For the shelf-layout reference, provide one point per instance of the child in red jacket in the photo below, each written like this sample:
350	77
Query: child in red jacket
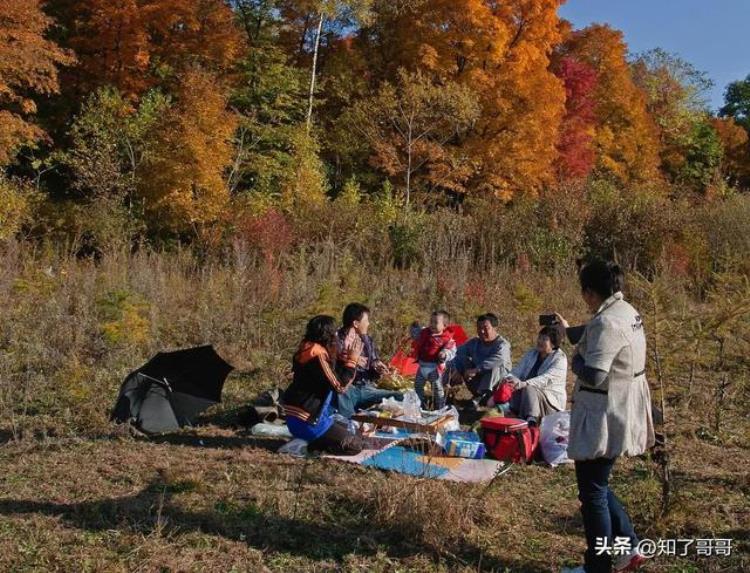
434	347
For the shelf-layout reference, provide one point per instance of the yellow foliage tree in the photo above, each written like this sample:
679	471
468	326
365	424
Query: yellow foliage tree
307	185
16	206
182	182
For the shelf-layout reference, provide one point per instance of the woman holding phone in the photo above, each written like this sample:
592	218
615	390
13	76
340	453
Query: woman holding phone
611	413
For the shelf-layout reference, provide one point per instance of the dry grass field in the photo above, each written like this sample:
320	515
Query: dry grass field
77	494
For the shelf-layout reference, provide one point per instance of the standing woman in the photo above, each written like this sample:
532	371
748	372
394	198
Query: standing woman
611	414
307	401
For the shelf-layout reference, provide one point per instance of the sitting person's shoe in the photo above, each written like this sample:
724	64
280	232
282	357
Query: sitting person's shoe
629	562
484	398
578	569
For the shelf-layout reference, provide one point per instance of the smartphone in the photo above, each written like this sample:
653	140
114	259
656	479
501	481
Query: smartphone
547	319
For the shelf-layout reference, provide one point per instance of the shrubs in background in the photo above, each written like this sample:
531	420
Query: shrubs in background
73	325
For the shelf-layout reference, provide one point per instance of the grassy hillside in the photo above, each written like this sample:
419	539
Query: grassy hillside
78	494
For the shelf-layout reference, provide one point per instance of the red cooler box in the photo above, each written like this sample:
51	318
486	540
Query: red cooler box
510	439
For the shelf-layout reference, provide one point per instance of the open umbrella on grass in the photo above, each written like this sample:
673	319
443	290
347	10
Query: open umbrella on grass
172	388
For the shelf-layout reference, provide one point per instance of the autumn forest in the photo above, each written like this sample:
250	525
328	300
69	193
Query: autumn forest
175	173
182	119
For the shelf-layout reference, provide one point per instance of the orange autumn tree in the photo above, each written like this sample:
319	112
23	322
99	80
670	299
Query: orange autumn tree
28	66
130	44
625	139
501	51
183	181
735	166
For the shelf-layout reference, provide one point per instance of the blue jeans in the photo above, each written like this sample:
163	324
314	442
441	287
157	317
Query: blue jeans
437	383
603	514
360	396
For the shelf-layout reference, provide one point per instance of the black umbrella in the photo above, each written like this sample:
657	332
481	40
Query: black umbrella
172	388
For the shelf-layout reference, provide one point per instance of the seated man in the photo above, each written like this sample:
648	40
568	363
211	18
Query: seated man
538	380
361	393
484	360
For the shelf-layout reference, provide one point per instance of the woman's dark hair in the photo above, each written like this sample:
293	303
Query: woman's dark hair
553	333
604	278
321	329
353	311
489	317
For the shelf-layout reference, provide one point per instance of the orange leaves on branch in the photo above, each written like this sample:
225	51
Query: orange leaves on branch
130	44
112	44
626	141
183	181
501	52
734	140
28	65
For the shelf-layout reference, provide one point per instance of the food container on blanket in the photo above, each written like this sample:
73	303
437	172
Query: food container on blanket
463	445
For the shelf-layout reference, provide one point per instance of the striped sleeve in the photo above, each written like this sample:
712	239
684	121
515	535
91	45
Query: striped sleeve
331	375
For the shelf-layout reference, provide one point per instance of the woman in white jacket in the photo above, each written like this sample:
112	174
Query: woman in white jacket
538	380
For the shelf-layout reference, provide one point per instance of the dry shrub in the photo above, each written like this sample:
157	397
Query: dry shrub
71	328
431	514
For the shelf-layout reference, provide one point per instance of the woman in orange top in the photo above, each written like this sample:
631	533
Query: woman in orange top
307	401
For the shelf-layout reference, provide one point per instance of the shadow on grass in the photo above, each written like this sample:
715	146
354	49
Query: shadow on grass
239	441
151	511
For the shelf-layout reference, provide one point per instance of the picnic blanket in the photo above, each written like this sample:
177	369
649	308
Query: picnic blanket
397	458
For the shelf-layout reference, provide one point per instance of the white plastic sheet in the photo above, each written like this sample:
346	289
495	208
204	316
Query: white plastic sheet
411	405
264	430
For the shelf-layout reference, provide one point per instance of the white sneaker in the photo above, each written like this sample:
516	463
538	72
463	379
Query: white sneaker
578	569
629	562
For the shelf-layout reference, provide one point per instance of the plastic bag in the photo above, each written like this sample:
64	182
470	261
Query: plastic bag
412	405
451	425
351	425
295	447
395	407
264	430
553	438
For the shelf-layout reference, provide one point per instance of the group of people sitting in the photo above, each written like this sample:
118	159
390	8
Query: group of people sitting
532	389
335	372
